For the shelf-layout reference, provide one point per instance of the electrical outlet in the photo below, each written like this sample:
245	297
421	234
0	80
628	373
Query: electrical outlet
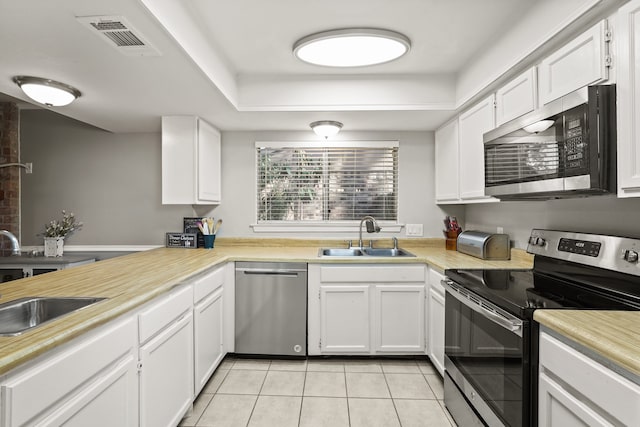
414	230
500	230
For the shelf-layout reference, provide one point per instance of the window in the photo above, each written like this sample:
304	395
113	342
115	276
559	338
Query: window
308	182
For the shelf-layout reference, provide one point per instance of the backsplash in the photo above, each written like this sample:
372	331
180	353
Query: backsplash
598	214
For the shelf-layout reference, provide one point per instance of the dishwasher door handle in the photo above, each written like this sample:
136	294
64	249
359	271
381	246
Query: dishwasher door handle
260	272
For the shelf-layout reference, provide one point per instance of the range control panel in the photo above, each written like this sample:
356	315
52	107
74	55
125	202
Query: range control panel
581	247
599	250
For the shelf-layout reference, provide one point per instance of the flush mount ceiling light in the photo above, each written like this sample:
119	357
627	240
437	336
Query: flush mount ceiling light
540	126
326	128
351	47
48	92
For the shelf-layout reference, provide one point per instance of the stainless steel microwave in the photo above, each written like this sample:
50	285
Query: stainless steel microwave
565	149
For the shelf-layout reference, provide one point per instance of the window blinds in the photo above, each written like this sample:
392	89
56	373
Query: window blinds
312	183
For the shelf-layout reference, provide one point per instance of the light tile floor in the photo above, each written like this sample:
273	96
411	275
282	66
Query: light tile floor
321	392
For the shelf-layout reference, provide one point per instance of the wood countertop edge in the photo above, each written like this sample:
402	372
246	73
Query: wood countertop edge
612	335
122	298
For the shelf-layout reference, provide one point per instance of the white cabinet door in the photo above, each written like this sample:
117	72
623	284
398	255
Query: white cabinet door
399	318
344	319
208	337
110	400
575	390
628	81
557	407
166	377
579	63
446	157
472	124
436	320
191	161
517	97
209	163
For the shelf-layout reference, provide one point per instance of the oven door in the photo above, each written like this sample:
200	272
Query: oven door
486	357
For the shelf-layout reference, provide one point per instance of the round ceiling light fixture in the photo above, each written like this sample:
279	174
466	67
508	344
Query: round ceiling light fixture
46	91
351	47
326	128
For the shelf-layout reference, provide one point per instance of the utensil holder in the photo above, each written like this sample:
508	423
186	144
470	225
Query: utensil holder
209	240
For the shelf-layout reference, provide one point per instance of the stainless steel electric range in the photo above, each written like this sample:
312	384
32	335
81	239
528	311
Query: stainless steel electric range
491	340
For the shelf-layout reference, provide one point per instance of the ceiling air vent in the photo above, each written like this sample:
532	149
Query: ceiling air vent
120	34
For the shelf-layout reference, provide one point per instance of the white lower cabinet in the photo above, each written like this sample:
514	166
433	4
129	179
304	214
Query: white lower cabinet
208	324
366	309
143	369
436	320
90	381
575	390
344	319
166	359
399	317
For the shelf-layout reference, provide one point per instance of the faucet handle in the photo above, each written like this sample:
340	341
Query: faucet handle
350	244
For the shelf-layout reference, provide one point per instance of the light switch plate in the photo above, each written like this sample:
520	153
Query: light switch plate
414	230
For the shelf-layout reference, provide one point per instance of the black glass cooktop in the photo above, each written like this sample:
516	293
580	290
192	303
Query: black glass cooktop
552	284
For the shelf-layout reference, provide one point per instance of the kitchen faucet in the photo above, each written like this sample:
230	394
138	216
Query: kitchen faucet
372	227
15	245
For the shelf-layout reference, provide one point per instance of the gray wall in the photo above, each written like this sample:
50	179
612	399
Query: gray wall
598	214
415	186
112	182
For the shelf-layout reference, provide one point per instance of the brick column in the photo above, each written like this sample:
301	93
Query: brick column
9	176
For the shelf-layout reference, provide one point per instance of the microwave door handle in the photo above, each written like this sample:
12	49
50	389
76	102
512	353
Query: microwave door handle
514	326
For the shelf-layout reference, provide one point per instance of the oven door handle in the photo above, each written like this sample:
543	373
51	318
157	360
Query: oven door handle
514	325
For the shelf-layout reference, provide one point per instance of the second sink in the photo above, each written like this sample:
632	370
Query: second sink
25	313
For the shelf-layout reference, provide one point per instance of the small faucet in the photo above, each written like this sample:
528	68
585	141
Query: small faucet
372	227
15	245
395	242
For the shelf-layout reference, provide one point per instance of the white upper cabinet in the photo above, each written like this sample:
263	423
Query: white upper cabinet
191	162
472	124
517	97
579	63
628	81
447	163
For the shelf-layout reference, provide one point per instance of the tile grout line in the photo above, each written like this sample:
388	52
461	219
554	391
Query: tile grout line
393	402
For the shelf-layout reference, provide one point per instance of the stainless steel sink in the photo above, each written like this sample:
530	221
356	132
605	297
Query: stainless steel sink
340	252
373	252
392	252
23	314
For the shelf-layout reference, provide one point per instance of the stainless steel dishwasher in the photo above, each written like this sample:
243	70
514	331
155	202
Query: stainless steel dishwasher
271	308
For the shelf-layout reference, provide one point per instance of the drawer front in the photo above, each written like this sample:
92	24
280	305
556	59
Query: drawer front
614	394
161	313
33	391
372	273
208	283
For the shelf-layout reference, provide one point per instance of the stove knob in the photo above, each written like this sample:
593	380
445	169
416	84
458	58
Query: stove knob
540	241
630	256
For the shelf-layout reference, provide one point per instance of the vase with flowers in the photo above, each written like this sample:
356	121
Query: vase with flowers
56	231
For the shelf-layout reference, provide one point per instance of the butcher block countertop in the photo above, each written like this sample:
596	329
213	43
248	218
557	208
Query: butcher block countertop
612	336
132	280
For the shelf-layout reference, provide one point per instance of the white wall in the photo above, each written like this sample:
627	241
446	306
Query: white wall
415	189
597	214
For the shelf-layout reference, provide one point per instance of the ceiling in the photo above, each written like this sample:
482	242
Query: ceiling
231	62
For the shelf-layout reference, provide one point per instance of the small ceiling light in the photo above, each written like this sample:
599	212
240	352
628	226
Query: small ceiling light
326	128
48	92
351	47
540	126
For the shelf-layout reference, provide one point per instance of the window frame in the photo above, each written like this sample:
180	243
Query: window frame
335	226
